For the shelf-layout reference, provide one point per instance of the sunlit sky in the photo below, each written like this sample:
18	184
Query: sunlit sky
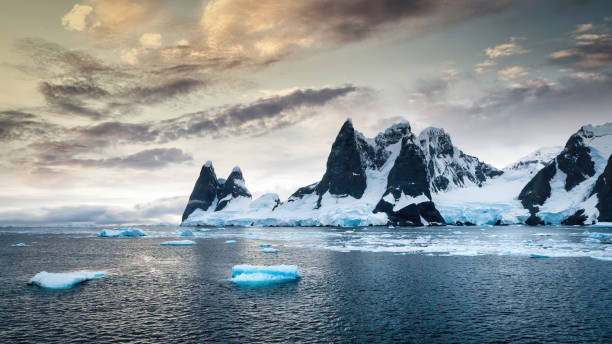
108	108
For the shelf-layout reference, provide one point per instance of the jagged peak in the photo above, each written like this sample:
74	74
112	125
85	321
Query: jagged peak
208	164
540	156
237	169
590	130
433	132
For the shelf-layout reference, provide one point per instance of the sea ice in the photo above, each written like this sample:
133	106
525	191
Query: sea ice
122	232
19	245
258	275
264	245
230	241
538	256
269	250
178	243
66	280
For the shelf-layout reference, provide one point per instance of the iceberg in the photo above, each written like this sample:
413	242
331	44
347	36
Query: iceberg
178	243
122	232
260	275
66	280
19	245
265	245
230	241
187	232
538	256
269	250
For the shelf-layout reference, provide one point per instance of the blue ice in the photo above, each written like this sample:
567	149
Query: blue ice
259	275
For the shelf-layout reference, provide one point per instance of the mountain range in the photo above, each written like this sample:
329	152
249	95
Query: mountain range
399	178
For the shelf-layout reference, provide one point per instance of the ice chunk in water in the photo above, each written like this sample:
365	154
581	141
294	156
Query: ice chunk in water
265	245
538	256
65	280
19	245
178	243
257	274
122	232
230	241
269	250
187	232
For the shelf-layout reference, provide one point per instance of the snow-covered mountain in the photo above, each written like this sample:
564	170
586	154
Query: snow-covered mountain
448	167
211	194
399	178
573	187
367	181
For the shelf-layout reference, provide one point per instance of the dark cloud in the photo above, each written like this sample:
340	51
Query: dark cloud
67	155
76	83
19	126
258	117
165	210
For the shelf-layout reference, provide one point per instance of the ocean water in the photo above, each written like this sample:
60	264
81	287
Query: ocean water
419	285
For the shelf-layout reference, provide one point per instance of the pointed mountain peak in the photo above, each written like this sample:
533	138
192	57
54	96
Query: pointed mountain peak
436	141
208	164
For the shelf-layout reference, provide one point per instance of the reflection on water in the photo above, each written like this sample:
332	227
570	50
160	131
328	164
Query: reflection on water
461	284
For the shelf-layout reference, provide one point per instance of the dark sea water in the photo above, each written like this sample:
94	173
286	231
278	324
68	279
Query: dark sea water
420	285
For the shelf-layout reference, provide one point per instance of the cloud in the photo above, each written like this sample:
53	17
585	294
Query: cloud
434	89
506	49
513	72
20	126
278	27
592	50
164	210
76	19
150	40
66	154
482	67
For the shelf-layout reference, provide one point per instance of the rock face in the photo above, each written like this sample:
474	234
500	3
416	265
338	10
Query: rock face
603	191
345	173
215	194
204	192
448	167
407	200
570	189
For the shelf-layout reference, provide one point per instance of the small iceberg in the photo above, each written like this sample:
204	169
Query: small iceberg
605	259
538	256
230	241
178	243
265	245
269	250
65	280
122	232
187	232
19	245
260	275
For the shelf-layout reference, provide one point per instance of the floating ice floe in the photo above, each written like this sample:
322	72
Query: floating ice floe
65	280
122	232
258	275
269	250
178	243
230	241
187	232
19	245
538	256
265	245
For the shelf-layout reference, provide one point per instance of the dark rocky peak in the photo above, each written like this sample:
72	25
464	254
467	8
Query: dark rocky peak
575	159
603	190
407	200
204	192
233	187
537	191
393	134
345	173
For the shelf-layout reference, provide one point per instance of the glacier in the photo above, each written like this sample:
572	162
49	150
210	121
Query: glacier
261	275
65	280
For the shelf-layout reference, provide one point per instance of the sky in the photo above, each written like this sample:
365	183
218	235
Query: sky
108	108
